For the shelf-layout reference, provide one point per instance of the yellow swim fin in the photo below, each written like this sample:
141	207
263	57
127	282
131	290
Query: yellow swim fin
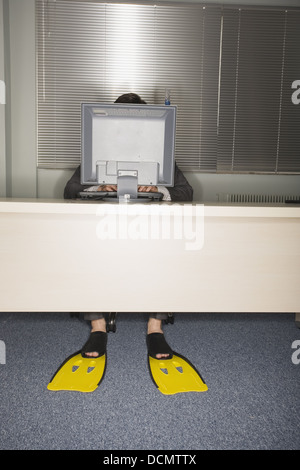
77	373
175	375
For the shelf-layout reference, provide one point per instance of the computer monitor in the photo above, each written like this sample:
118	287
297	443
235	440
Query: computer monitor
127	145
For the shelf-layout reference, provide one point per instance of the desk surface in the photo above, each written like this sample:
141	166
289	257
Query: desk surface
62	206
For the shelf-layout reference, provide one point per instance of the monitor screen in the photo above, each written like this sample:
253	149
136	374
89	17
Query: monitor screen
122	139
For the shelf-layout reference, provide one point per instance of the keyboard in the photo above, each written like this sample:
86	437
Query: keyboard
100	195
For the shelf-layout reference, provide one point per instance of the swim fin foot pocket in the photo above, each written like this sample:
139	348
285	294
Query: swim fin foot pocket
157	344
97	342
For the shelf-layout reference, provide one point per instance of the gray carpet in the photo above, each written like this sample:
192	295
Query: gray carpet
252	400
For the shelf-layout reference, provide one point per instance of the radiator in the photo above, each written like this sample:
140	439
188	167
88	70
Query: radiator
260	198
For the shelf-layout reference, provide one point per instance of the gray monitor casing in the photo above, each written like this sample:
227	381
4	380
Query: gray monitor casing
120	139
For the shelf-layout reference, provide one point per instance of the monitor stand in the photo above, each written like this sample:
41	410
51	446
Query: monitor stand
127	186
127	191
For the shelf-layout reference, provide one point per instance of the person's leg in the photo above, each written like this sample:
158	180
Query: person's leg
154	326
155	322
98	323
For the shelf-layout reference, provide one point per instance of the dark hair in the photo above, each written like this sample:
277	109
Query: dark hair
130	98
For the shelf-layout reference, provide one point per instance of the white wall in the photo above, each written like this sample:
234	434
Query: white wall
21	104
18	174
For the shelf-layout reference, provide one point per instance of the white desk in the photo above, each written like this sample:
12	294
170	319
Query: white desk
64	256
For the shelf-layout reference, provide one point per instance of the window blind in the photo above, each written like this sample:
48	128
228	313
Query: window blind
96	52
258	124
229	69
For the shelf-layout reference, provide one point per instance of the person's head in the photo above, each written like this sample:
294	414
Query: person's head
130	98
